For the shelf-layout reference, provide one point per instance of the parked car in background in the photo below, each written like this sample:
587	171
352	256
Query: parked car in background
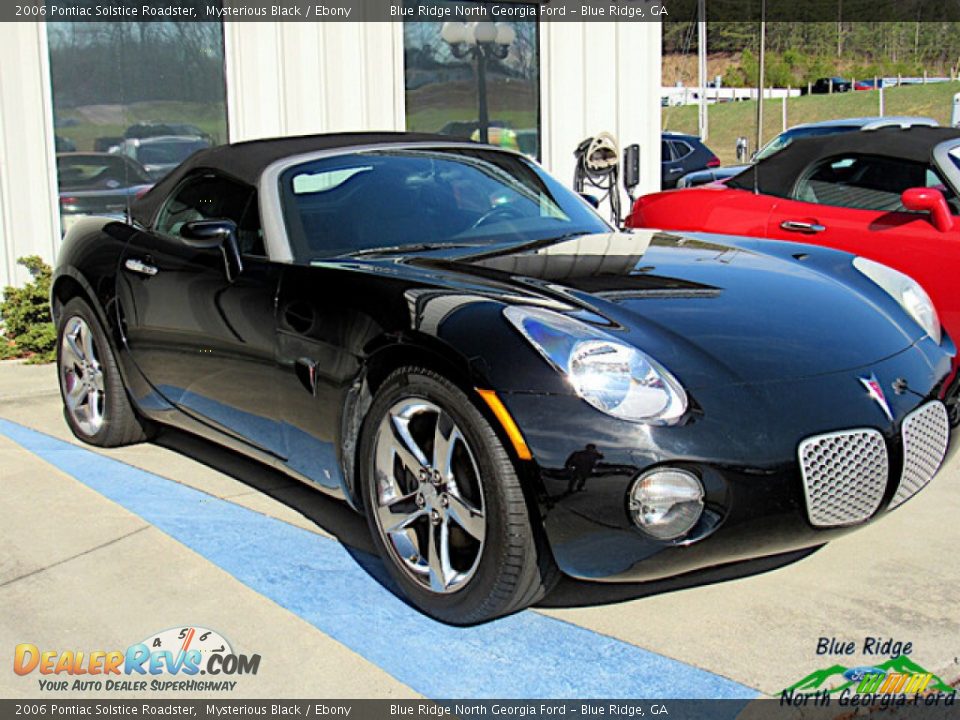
445	336
890	195
831	84
98	184
824	127
161	129
871	84
64	144
159	155
681	154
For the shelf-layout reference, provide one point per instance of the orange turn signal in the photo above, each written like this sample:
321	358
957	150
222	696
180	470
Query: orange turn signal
509	426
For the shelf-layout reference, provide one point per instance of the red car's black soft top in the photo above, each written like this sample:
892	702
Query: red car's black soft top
245	161
777	174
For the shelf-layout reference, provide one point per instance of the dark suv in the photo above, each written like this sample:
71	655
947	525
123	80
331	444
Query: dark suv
682	154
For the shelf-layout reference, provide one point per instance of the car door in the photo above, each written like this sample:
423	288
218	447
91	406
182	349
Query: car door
204	340
852	203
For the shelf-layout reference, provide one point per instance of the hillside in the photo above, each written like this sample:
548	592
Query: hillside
729	120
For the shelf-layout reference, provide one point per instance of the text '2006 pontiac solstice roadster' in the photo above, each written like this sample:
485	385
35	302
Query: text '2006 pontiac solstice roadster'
507	387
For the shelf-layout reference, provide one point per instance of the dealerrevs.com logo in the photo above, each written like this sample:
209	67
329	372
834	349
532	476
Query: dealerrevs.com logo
170	660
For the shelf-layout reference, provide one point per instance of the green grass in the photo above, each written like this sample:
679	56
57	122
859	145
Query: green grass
727	121
209	117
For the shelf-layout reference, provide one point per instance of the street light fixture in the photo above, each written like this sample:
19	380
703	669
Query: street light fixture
479	41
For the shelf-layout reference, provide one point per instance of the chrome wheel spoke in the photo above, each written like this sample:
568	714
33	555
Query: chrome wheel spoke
445	437
73	353
75	395
399	514
438	560
97	379
467	517
406	447
86	342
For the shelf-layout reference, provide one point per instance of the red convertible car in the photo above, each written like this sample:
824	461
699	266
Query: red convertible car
890	195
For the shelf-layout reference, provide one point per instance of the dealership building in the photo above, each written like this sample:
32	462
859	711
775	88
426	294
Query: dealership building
95	86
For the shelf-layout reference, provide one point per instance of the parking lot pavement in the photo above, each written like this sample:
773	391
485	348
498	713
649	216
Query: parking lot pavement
107	546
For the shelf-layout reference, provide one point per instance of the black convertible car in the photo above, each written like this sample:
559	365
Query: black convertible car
443	335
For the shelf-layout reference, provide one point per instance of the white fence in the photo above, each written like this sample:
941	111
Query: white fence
691	95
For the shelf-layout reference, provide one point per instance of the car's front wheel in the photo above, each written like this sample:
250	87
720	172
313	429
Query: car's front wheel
95	402
445	505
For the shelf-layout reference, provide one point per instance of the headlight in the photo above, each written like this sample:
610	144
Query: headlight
614	377
906	291
666	503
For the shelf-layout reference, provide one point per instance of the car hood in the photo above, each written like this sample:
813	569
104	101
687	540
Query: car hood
704	306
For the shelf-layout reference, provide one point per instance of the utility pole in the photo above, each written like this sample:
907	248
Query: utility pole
760	74
702	121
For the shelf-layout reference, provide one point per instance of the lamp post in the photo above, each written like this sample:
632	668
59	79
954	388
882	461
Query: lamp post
479	41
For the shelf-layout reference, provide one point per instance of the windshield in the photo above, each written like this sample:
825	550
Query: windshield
172	152
391	198
785	138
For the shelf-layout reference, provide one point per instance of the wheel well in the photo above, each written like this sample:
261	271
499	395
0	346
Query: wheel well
64	290
378	369
384	362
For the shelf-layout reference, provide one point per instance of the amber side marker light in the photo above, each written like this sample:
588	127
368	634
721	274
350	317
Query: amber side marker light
509	426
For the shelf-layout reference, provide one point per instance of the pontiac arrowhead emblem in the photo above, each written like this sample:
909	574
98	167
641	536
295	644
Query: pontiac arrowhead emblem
876	392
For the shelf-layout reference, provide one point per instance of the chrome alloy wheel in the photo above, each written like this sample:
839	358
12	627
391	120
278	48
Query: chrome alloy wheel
429	496
81	376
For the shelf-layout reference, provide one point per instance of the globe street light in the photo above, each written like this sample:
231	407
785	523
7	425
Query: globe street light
479	41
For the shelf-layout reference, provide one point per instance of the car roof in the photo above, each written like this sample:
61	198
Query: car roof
880	121
777	174
667	135
246	161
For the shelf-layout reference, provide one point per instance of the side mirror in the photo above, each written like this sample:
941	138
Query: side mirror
631	167
212	235
929	200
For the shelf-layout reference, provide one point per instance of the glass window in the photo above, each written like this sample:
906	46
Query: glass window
150	92
451	88
94	171
208	197
680	149
866	182
391	198
666	155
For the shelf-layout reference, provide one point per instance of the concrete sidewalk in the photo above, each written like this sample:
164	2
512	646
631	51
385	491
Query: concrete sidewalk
67	579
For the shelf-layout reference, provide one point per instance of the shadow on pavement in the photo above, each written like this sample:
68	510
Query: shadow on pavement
338	519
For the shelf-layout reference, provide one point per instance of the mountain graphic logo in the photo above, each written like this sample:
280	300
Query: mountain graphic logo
837	678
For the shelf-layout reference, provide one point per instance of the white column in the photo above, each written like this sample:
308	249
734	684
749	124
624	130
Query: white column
601	76
301	78
29	222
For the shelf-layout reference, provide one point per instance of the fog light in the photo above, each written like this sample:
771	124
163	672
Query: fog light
666	503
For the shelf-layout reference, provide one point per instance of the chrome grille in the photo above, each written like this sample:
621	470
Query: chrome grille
925	435
844	476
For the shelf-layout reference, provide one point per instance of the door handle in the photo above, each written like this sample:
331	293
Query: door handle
675	170
138	266
810	228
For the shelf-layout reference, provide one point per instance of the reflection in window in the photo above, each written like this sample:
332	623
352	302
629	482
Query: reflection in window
148	94
446	80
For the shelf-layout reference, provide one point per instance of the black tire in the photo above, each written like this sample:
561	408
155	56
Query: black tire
120	423
515	568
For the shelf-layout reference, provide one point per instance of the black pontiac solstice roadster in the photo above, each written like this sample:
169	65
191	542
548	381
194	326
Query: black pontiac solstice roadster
444	336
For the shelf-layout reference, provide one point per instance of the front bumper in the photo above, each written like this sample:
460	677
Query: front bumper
743	442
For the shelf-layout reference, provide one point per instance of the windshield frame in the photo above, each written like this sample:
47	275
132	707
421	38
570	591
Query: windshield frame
270	192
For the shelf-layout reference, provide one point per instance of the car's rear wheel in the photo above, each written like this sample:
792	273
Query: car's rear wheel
445	505
95	402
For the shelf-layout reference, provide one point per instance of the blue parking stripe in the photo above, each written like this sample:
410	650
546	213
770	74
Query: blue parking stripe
527	655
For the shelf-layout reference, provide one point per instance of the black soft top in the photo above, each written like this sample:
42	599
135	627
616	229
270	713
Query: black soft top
246	161
777	174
